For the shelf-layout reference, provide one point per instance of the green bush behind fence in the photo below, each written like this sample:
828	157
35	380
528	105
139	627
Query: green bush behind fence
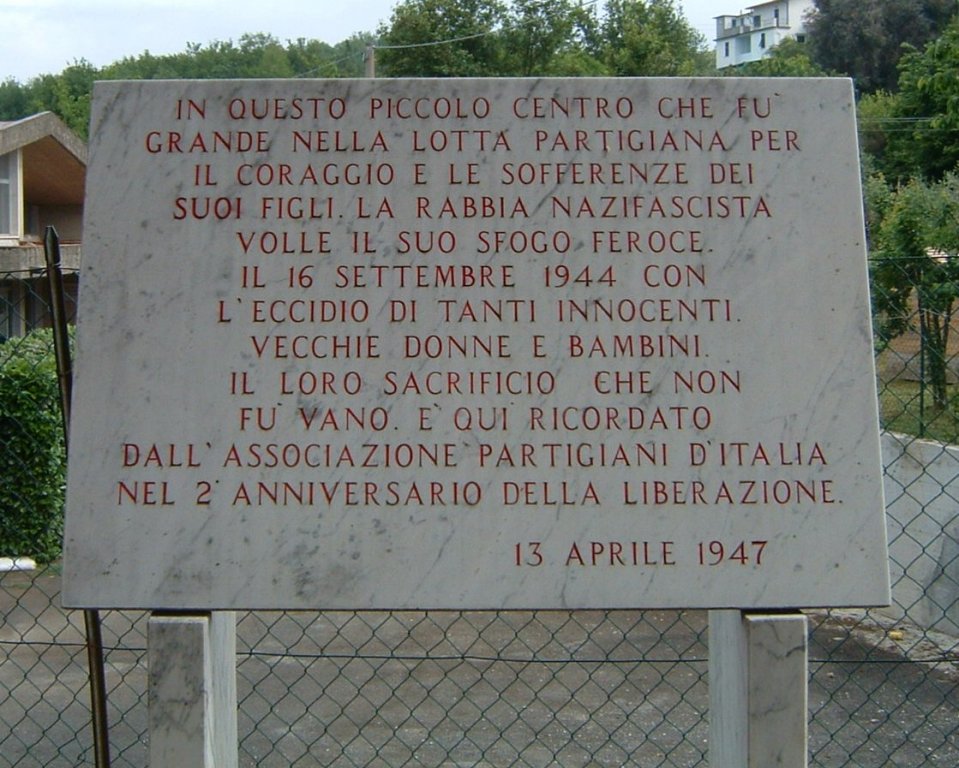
32	453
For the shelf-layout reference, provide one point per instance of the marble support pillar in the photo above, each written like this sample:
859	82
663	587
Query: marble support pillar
758	690
192	690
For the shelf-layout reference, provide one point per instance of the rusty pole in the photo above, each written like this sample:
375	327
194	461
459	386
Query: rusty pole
91	618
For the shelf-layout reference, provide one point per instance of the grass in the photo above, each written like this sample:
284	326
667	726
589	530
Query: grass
903	407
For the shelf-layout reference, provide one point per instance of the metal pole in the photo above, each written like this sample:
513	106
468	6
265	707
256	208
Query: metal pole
51	249
922	369
91	618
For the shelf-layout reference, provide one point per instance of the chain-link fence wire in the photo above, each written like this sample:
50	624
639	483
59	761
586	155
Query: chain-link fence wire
525	688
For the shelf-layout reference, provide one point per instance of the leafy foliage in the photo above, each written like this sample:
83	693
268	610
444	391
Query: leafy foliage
549	38
915	272
864	38
789	58
67	94
539	37
14	100
650	38
927	140
469	48
877	123
32	459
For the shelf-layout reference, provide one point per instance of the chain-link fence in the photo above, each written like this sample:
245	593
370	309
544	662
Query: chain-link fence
525	688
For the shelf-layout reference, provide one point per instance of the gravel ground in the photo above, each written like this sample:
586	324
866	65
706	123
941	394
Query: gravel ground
442	689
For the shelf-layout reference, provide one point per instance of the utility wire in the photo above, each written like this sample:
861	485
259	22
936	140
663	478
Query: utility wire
336	63
437	42
380	47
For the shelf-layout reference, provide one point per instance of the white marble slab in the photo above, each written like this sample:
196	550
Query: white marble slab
758	691
778	691
474	343
192	690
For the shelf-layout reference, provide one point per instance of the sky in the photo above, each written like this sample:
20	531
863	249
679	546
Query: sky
45	36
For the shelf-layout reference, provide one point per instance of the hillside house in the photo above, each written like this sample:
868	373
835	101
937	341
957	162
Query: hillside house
751	34
42	176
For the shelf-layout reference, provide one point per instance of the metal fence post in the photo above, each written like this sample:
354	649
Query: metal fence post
91	618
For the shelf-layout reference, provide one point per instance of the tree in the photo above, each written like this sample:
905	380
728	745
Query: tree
313	58
146	66
926	142
13	100
789	58
448	38
256	55
441	38
864	38
878	122
877	200
349	56
650	38
548	37
67	94
915	274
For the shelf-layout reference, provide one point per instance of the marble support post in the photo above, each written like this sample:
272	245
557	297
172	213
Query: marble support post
192	690
758	690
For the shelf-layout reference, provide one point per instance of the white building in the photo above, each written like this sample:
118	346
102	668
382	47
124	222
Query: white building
749	35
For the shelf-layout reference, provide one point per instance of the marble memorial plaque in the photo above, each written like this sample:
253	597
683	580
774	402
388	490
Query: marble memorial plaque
474	344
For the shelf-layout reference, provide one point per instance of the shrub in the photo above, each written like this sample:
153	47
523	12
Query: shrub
32	456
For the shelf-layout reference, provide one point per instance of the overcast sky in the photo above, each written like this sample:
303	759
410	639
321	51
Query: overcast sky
45	36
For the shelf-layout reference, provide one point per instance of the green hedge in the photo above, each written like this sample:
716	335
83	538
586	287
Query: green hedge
32	456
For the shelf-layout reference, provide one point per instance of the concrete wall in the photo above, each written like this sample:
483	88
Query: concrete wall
922	518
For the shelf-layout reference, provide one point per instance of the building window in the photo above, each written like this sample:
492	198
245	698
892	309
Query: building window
9	219
757	21
762	40
726	50
8	313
